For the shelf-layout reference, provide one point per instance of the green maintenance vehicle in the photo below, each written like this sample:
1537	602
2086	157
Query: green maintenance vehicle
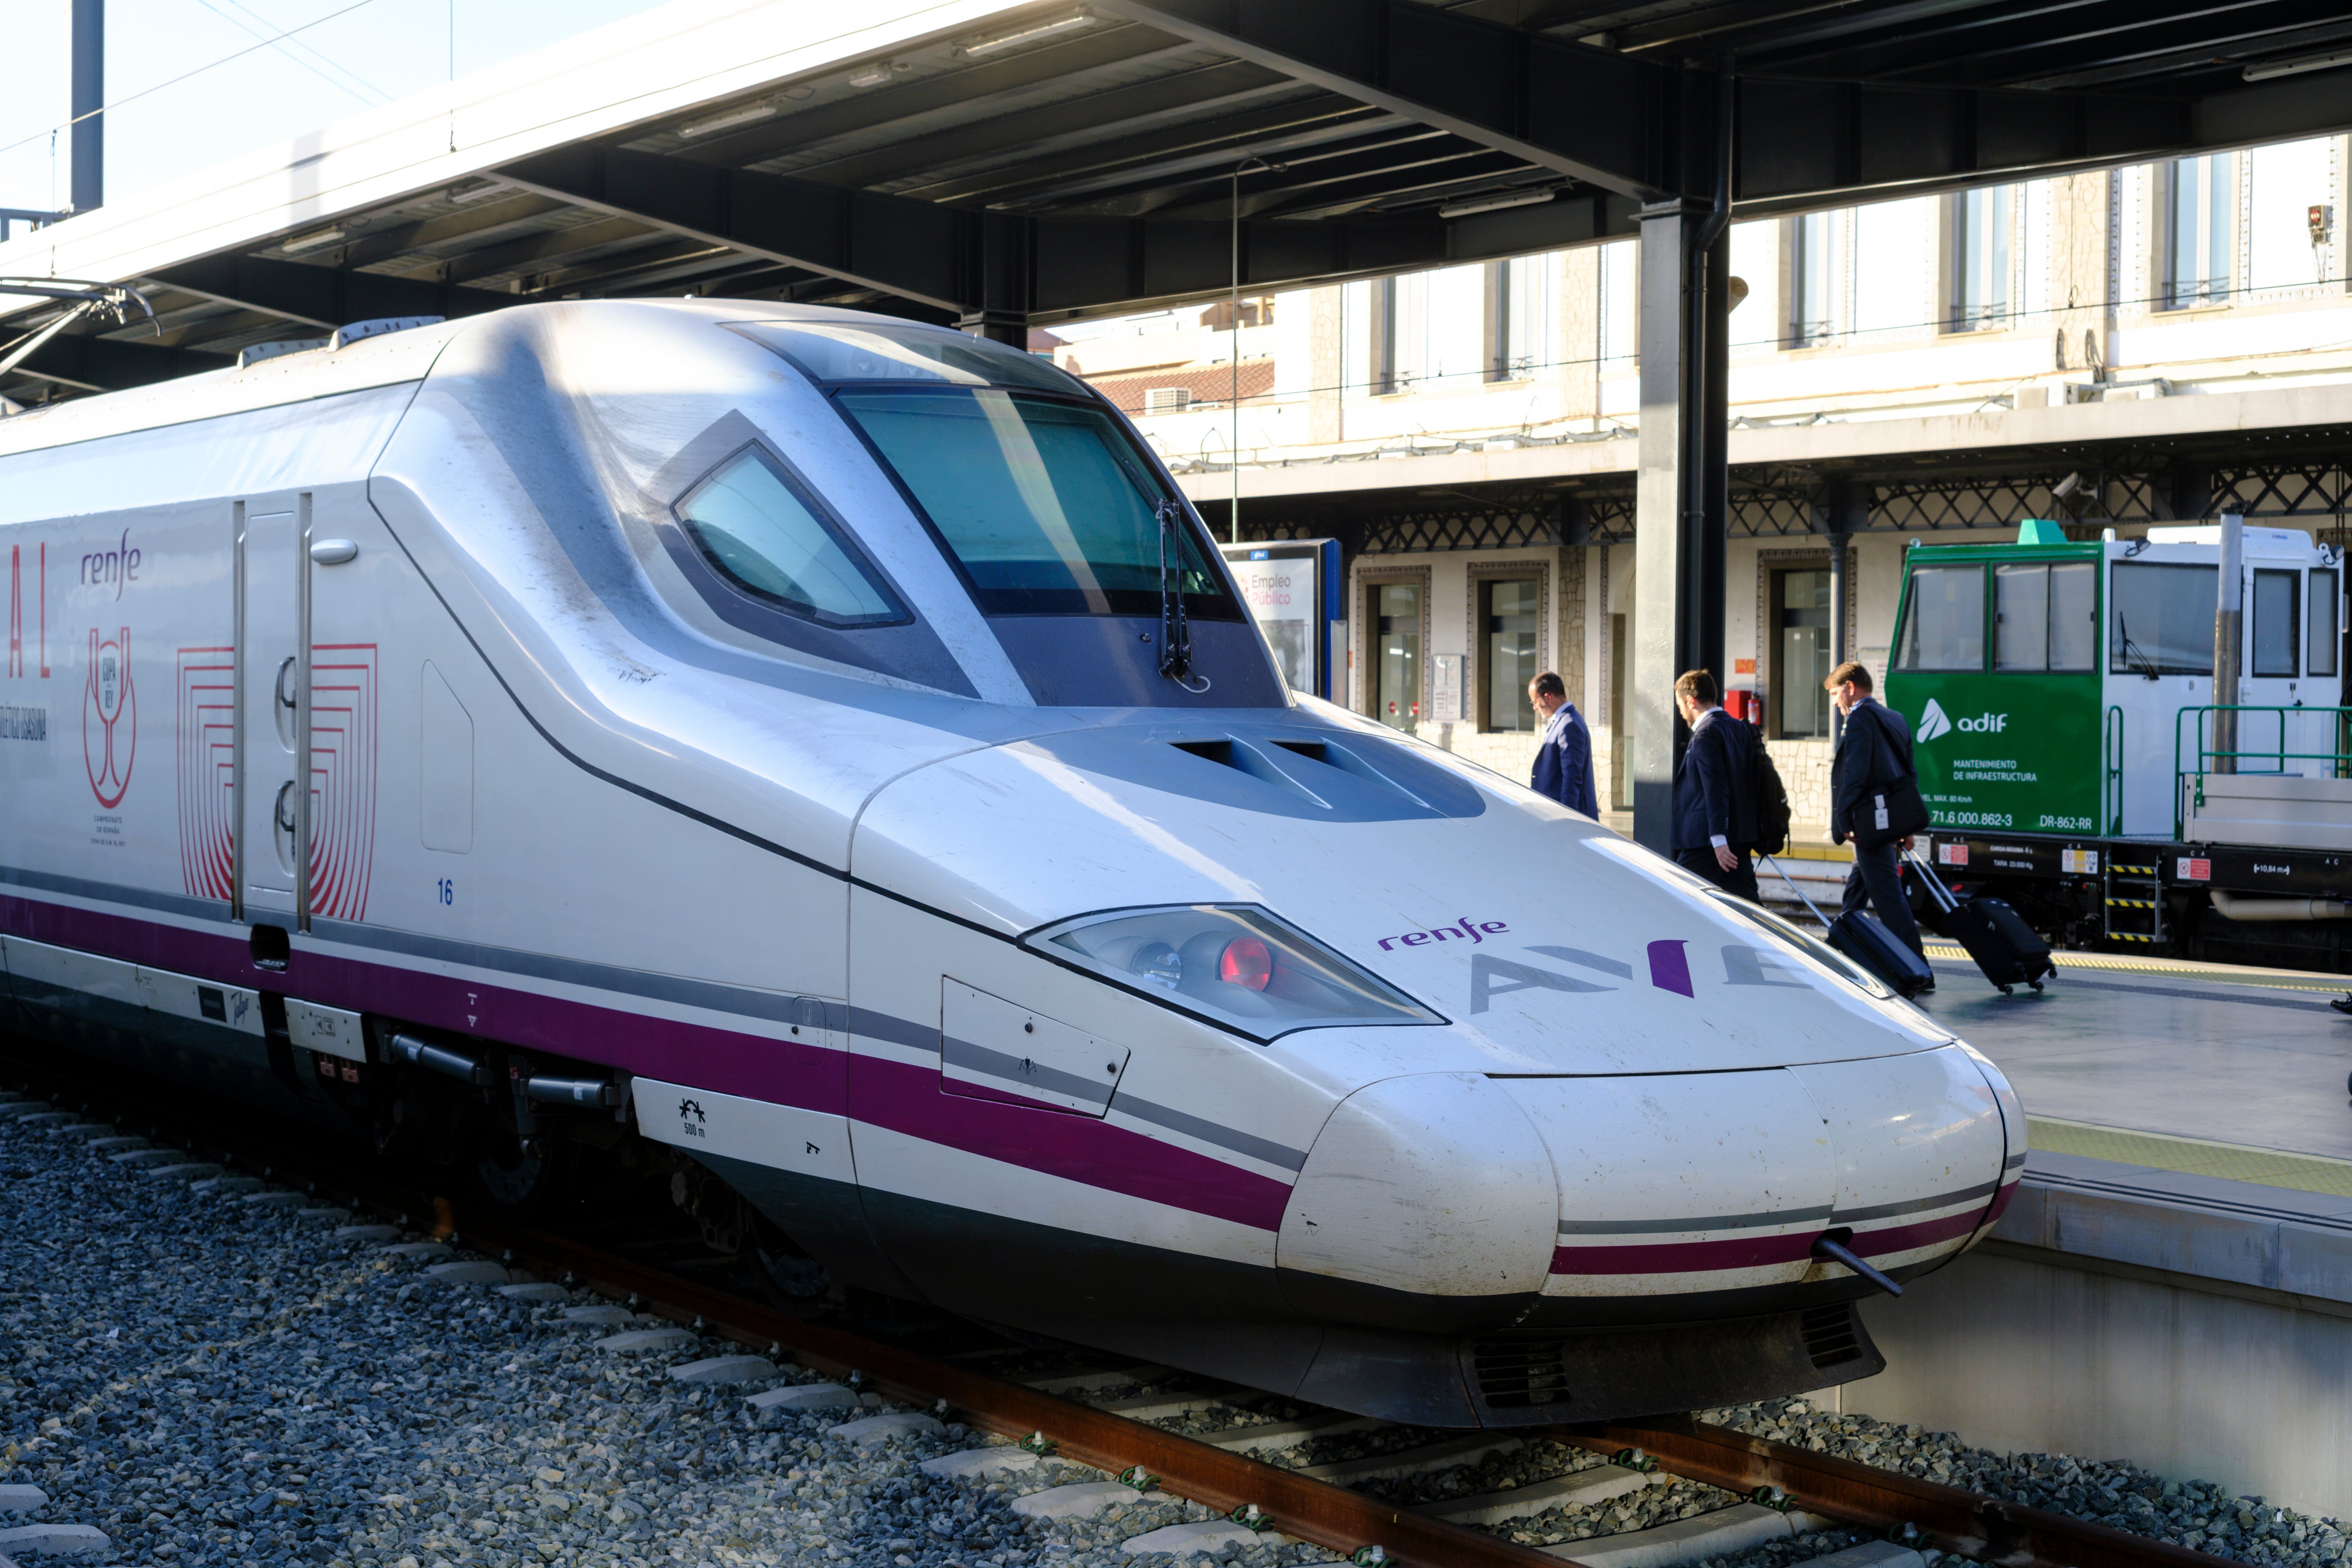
2084	758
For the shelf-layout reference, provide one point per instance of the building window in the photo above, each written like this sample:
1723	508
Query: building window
1980	268
2197	231
1813	267
1509	611
1517	315
1396	654
1801	653
1384	336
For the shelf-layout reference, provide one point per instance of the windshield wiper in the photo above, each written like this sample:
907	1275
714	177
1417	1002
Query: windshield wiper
2123	630
1175	636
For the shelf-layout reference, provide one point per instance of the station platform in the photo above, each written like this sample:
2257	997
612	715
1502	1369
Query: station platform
2253	1060
2173	1283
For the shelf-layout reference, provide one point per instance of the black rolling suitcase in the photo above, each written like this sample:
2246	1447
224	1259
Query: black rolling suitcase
1861	937
1995	935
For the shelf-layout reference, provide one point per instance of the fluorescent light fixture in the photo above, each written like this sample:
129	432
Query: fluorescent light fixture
1469	204
729	121
981	47
482	192
2291	67
874	75
311	241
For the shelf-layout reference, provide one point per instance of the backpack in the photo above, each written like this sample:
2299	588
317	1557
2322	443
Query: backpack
1771	798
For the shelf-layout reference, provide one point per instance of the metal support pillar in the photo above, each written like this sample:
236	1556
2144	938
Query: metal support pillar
87	145
1681	489
1003	286
1848	514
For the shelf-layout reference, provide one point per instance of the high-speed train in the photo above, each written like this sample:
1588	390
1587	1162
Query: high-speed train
823	758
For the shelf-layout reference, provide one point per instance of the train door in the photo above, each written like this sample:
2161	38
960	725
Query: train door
270	675
2290	663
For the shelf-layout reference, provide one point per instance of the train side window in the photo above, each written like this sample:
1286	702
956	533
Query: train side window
2160	618
2276	633
767	540
1943	622
2325	632
2020	618
2075	615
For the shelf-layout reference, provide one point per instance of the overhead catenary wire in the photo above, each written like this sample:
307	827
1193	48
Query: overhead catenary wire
327	69
184	76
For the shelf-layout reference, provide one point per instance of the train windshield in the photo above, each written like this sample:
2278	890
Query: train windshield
1039	494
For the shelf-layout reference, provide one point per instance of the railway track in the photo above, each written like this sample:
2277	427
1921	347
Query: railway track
1213	1468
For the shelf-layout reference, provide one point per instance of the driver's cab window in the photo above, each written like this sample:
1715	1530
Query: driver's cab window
1943	622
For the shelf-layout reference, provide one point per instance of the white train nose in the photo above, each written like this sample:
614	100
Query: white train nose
1449	1202
1426	1201
1713	1187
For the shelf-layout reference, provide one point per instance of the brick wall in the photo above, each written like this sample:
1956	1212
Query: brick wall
1511	754
1805	774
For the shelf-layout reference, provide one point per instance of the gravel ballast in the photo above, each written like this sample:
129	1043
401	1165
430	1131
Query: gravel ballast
217	1376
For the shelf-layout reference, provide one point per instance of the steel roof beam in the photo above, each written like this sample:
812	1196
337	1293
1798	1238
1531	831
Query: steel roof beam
1639	124
1083	172
112	364
918	250
1603	118
1207	193
952	90
2083	37
960	261
325	297
1048	128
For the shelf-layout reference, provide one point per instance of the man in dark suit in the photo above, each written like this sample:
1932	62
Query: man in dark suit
1564	758
1873	750
1715	801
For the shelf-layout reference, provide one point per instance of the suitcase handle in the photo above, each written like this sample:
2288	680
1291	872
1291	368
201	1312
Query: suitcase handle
1945	898
1793	887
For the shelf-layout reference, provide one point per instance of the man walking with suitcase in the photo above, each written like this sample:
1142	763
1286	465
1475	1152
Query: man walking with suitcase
1714	825
1875	800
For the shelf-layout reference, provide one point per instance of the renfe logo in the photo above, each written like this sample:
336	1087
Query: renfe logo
115	567
1467	931
1935	722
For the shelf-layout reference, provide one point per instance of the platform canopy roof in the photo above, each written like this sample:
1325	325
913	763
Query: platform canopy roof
1003	164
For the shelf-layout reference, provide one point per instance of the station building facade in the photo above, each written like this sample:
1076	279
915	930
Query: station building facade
2150	343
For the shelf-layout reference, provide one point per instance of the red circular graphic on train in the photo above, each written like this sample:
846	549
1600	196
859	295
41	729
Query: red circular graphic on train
109	718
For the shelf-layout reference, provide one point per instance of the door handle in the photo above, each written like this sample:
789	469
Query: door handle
286	698
285	807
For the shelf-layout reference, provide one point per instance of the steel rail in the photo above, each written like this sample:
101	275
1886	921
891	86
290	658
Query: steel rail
1922	1512
1308	1510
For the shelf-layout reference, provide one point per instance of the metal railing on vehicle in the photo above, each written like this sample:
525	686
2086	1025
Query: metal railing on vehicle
2190	781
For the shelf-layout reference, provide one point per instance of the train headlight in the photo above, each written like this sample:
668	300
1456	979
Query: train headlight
1234	963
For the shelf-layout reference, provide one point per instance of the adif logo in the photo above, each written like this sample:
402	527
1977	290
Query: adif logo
1984	724
1935	722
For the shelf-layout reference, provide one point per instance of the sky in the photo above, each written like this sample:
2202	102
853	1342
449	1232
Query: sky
361	53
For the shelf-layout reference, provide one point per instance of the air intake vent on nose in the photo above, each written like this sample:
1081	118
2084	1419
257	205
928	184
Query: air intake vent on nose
1832	1336
1347	760
1518	1374
1244	758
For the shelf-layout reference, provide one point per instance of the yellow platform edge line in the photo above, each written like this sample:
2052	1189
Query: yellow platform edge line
2193	1156
2185	969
